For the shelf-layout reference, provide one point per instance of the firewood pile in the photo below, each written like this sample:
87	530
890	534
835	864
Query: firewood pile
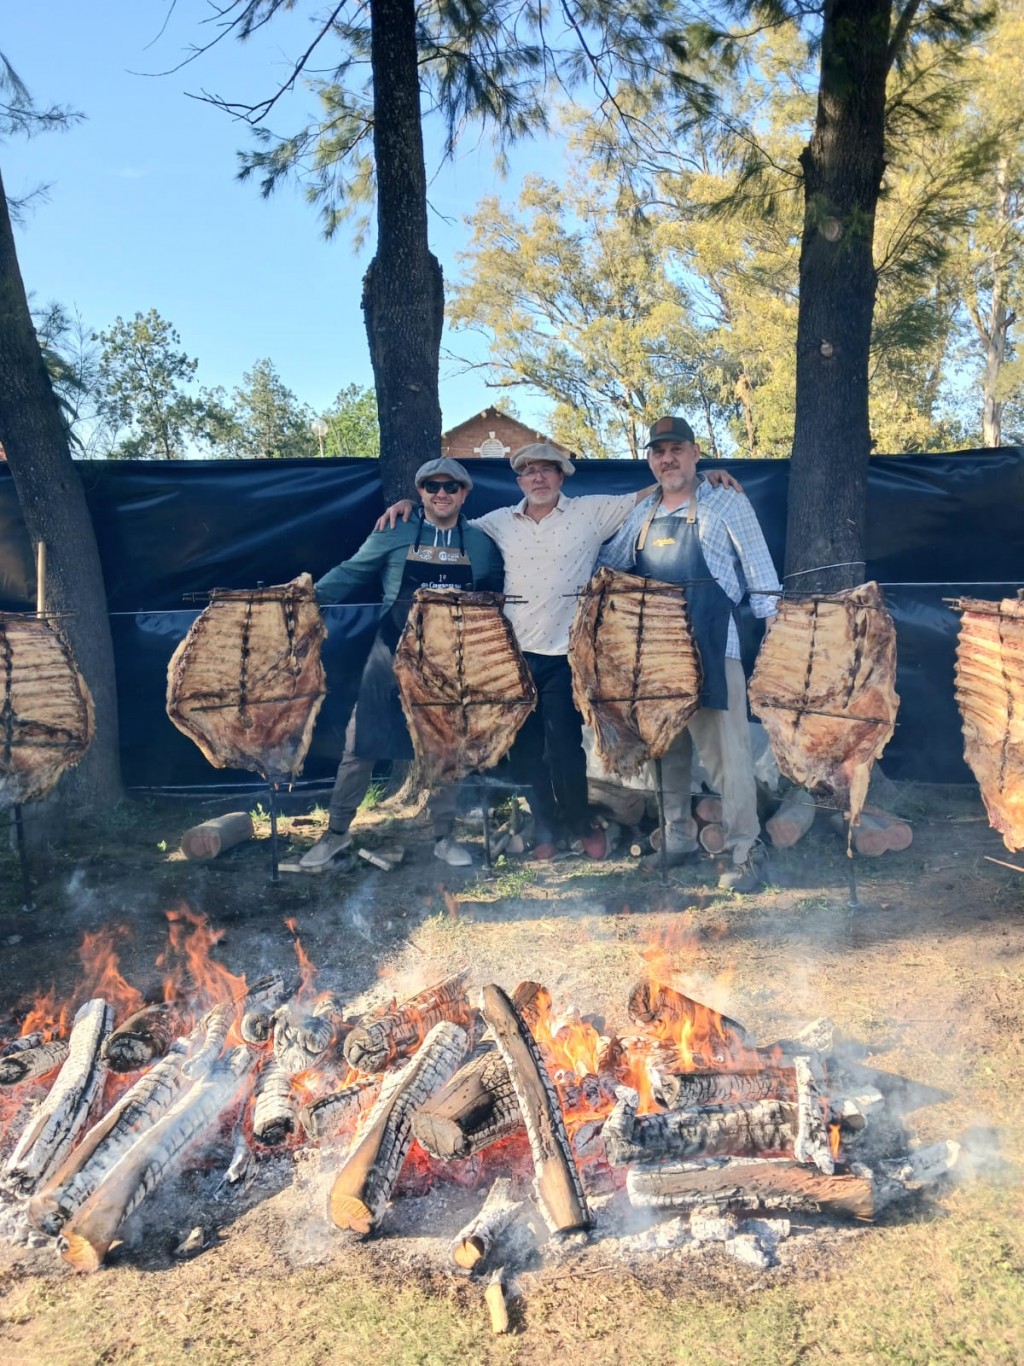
682	1111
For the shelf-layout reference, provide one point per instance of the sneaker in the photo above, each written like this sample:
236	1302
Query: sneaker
329	846
594	844
748	876
451	852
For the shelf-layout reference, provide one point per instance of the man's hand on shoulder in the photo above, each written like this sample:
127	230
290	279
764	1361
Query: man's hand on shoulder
386	522
721	479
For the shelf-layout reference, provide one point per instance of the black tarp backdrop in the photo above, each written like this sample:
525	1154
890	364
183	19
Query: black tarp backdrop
938	527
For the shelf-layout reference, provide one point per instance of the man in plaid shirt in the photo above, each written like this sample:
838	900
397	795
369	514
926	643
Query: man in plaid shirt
709	539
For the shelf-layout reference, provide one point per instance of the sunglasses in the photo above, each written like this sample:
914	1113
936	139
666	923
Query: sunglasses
440	485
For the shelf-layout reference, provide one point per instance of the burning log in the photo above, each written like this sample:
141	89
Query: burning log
793	819
261	1000
811	1137
87	1165
87	1236
60	1118
301	1038
34	1060
329	1114
755	1184
19	1045
213	1029
273	1116
146	1035
557	1182
363	1187
375	1043
474	1241
655	1003
764	1126
588	1092
685	1090
476	1108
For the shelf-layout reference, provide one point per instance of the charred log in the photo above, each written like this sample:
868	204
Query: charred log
557	1182
811	1138
376	1042
28	1064
273	1115
750	1185
261	1000
303	1037
363	1187
765	1126
474	1241
146	1035
656	1003
61	1117
330	1114
693	1090
476	1108
87	1236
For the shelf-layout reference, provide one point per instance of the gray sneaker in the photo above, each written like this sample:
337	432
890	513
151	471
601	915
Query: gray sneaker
330	846
748	876
454	854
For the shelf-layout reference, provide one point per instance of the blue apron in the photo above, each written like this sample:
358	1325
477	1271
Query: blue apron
380	728
668	548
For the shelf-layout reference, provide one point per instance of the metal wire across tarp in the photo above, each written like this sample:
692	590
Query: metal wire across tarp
937	526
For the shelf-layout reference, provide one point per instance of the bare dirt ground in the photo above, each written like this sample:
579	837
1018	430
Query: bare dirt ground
924	979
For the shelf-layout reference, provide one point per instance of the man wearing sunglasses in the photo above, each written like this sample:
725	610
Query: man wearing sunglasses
549	543
435	548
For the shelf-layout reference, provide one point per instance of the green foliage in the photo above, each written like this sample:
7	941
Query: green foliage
142	377
266	418
352	427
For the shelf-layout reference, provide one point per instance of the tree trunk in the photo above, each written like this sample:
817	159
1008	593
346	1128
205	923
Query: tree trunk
999	321
843	166
403	290
54	508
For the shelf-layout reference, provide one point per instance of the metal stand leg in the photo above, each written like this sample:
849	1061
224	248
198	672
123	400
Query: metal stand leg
485	807
854	902
659	783
26	882
272	807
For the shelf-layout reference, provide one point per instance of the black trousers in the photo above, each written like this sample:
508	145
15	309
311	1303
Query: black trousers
548	756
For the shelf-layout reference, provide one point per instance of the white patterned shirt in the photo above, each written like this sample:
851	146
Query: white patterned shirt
548	562
733	545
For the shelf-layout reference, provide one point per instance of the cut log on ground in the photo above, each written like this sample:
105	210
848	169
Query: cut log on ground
472	1244
708	810
494	1297
738	1185
363	1187
144	1036
744	1130
61	1117
106	1142
689	1090
557	1182
377	1041
331	1114
712	838
204	842
87	1236
793	818
273	1113
28	1064
476	1108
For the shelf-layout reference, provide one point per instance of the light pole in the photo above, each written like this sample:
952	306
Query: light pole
319	429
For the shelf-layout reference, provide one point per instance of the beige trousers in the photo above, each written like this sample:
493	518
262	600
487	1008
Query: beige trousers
723	740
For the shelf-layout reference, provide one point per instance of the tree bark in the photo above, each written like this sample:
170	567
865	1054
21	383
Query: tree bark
53	506
843	166
996	334
403	290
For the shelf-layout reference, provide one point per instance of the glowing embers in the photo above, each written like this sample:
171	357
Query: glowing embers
824	687
46	711
990	694
246	683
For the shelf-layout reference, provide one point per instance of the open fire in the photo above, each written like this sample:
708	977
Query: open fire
105	1096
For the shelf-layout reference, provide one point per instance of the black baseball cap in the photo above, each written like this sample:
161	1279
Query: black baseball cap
671	429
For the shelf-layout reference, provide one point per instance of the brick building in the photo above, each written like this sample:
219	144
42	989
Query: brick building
491	433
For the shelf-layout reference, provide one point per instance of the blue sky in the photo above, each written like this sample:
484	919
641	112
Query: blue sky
144	210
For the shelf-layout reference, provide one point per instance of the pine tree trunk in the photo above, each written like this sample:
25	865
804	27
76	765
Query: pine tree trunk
403	290
54	509
999	322
843	166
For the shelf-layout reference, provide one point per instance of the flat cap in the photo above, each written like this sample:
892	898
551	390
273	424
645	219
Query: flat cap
443	468
542	451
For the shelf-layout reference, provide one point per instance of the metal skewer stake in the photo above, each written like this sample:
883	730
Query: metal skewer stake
272	806
663	850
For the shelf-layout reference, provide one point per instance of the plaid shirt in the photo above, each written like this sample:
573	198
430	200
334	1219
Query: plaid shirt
733	545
